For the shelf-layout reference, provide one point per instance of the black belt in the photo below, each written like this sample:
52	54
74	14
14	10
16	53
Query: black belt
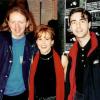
45	98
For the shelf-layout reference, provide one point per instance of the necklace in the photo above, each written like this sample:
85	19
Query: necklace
46	58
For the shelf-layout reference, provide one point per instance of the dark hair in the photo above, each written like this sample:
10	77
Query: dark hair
29	17
82	11
44	29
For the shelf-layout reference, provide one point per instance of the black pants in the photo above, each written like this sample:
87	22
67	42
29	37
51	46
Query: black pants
79	96
23	96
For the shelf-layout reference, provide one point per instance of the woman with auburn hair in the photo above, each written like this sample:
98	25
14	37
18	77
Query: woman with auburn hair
46	81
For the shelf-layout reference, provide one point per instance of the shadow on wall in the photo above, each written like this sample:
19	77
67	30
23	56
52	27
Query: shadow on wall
5	4
55	25
3	9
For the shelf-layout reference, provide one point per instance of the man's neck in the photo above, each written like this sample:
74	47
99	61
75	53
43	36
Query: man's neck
17	37
83	41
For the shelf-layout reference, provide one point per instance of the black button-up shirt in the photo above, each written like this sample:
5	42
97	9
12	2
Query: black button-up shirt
81	65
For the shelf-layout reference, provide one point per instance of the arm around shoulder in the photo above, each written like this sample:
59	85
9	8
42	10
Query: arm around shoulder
64	61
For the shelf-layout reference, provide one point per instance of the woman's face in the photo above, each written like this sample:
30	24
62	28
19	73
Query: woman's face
44	43
17	23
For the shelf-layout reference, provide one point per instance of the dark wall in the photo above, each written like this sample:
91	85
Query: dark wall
56	26
6	4
3	9
61	14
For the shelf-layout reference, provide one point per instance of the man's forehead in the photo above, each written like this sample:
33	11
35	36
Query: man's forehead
78	15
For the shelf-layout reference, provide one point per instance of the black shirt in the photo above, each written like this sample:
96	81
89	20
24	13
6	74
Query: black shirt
45	79
81	65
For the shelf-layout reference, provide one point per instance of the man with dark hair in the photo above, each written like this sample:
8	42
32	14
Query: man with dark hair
82	76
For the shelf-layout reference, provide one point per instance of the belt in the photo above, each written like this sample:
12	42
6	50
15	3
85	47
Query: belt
45	98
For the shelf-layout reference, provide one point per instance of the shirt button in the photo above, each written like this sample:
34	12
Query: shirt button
6	76
1	90
32	45
82	49
10	61
82	55
30	59
82	60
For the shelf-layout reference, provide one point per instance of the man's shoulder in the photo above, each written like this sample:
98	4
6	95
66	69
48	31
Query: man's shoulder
98	39
4	33
5	36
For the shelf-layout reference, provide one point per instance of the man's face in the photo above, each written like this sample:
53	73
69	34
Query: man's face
17	23
79	25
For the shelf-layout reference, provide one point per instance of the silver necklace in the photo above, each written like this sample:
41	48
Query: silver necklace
46	58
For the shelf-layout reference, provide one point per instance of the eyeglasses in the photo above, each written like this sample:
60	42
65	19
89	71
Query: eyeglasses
81	21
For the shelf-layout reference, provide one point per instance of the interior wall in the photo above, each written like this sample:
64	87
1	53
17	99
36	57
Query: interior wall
43	10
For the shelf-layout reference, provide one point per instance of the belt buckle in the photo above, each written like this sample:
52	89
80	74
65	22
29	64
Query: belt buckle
42	98
50	98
